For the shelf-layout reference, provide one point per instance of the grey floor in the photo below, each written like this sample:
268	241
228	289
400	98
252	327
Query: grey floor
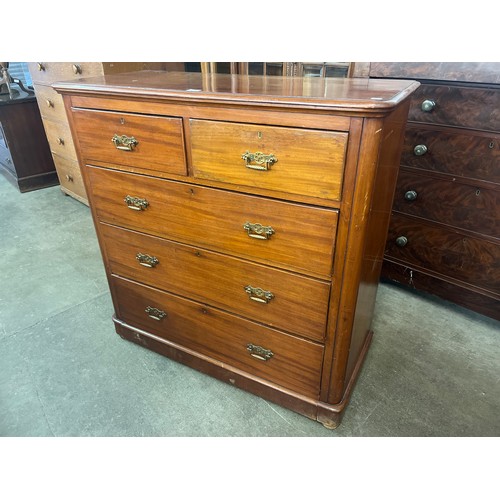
433	368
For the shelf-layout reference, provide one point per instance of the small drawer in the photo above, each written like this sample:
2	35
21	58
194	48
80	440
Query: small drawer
291	160
456	106
277	298
456	204
444	251
153	143
70	176
283	234
49	72
60	139
50	103
267	353
462	154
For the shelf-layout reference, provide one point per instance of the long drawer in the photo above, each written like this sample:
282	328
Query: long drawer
153	143
444	251
292	160
456	106
277	298
287	235
463	154
267	353
456	204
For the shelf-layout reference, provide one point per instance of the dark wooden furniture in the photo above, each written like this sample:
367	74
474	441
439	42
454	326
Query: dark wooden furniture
242	220
444	236
24	152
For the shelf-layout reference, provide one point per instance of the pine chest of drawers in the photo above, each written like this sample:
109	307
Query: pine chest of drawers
242	220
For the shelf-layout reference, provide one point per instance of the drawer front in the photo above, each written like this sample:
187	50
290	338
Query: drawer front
277	298
461	205
298	237
459	154
6	158
294	363
60	139
457	106
446	252
50	72
297	161
50	103
70	176
150	142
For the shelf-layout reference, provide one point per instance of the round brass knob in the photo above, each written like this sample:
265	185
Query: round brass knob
69	178
428	105
420	150
50	104
401	241
60	141
77	69
411	195
41	67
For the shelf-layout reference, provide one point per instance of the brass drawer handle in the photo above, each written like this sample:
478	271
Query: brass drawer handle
136	203
124	143
154	313
60	141
41	67
77	69
263	161
147	260
258	294
260	352
258	231
49	103
69	178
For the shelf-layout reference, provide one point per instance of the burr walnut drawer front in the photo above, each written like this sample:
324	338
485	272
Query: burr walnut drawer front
292	160
149	142
280	358
60	139
283	234
444	251
458	204
277	298
48	72
456	106
50	103
475	155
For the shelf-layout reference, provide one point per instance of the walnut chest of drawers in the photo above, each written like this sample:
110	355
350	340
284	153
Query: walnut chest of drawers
242	220
444	235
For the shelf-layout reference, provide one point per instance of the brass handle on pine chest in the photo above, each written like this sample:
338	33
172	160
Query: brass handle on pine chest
258	231
147	260
136	203
258	294
155	313
263	161
259	352
124	143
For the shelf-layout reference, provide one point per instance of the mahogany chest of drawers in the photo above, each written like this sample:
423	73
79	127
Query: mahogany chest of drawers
242	220
444	235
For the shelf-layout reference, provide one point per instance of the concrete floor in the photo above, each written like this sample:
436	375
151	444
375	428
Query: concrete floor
433	368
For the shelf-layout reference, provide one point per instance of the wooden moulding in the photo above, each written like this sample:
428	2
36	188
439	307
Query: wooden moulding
330	415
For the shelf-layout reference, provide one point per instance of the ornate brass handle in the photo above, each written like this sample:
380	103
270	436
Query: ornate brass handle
263	161
124	143
136	203
258	294
147	260
260	352
258	231
77	69
154	313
